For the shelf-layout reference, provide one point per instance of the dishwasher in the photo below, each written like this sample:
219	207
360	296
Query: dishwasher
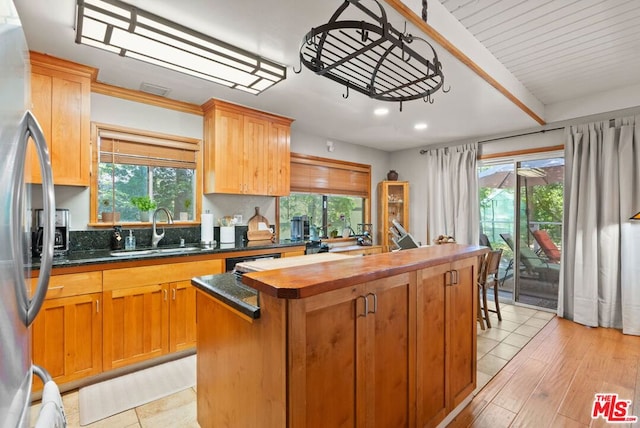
231	262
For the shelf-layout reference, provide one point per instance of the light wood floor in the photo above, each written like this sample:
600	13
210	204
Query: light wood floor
553	380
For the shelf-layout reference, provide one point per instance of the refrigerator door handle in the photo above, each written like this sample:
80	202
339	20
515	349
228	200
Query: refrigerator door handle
29	127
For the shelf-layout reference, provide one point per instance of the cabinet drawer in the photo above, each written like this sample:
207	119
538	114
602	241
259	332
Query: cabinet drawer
159	274
72	284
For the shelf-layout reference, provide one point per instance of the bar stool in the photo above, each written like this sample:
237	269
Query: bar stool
489	278
481	267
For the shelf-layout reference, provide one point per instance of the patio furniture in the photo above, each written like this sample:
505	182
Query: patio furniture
533	263
489	278
547	245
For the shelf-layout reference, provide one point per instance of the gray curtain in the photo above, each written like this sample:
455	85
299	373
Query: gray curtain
452	193
600	279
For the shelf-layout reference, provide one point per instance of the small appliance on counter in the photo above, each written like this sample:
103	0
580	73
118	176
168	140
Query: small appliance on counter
61	236
300	228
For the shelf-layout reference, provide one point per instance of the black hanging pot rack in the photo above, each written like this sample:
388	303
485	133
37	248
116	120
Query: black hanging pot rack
371	57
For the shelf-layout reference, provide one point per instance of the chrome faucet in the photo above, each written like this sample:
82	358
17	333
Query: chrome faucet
155	238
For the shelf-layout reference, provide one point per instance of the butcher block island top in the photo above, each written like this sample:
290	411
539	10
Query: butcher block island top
313	279
385	340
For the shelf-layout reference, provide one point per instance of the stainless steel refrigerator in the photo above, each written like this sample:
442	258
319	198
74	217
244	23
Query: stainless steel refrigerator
18	308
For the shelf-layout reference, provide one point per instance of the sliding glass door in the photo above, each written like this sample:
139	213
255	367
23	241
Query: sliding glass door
521	203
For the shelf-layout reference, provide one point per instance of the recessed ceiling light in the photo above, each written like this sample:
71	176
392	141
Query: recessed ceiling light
381	111
420	126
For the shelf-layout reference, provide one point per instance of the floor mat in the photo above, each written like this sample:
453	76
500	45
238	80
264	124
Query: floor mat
104	399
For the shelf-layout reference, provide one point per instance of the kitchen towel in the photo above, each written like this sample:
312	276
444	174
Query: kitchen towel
206	229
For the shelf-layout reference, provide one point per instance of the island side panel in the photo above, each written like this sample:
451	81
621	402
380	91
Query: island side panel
241	365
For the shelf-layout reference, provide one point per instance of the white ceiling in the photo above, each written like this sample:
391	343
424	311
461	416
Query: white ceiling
569	60
559	49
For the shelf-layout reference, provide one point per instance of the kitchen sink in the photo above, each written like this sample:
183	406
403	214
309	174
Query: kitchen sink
178	250
131	253
134	253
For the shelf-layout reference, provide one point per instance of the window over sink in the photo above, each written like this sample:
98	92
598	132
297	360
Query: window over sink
158	170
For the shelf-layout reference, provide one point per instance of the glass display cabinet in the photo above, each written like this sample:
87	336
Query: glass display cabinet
393	201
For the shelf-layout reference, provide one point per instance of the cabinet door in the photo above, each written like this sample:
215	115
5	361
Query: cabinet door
431	331
390	356
67	337
461	307
228	151
394	205
279	170
255	160
61	104
41	108
136	324
182	316
326	359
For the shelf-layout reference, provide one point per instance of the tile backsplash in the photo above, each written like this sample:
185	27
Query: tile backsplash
85	240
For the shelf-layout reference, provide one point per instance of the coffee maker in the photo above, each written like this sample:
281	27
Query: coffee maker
300	228
61	235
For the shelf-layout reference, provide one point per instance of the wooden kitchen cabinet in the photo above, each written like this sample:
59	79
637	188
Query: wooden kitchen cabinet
149	311
245	151
61	95
393	201
136	324
446	330
363	335
182	316
67	333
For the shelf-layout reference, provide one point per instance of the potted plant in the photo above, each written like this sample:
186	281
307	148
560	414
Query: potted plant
108	215
144	205
184	215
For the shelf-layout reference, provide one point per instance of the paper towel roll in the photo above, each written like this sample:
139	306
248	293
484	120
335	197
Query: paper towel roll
206	229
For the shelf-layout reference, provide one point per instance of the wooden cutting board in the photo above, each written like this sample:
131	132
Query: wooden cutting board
253	232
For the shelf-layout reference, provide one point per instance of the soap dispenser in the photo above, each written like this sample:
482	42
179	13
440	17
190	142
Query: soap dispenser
117	242
130	241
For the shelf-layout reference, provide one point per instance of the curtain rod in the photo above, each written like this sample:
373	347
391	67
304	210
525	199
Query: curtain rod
542	131
423	151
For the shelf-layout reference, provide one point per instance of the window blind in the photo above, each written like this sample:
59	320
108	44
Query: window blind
321	175
134	149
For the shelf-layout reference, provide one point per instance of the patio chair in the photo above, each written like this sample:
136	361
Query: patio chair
533	264
547	245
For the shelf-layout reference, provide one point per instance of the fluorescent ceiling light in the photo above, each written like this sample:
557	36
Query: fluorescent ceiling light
381	111
420	126
128	31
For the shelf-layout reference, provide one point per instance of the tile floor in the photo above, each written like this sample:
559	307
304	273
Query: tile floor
496	346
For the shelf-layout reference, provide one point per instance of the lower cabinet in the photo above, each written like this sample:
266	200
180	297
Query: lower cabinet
67	337
67	333
136	324
446	330
182	320
149	311
352	355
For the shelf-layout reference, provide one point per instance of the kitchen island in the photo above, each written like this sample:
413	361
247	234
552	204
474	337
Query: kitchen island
387	340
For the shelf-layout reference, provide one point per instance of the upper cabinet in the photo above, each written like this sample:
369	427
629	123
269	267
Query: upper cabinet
61	95
245	151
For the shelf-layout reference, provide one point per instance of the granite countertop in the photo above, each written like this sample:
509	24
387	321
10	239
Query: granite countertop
102	256
227	288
